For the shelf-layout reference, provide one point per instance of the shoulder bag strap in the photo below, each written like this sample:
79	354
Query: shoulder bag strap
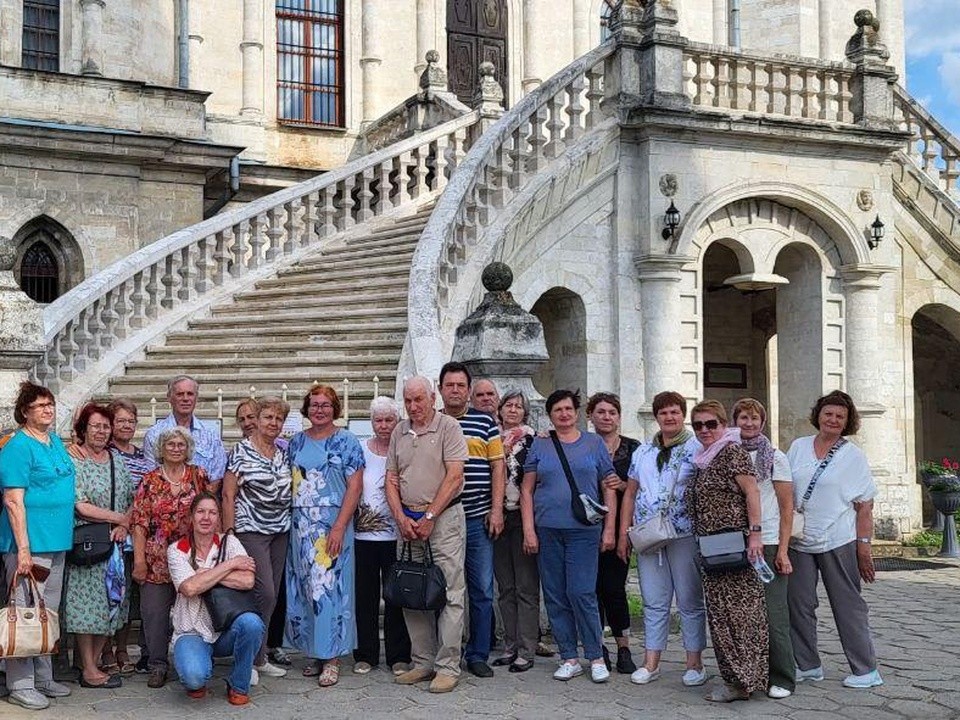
113	482
574	490
819	471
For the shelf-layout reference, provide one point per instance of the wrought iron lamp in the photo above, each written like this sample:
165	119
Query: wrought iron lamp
671	219
876	233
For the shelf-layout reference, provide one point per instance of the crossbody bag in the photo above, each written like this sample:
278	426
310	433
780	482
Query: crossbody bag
656	531
92	543
585	509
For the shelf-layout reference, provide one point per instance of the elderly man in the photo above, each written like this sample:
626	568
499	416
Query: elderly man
209	453
484	490
424	480
484	397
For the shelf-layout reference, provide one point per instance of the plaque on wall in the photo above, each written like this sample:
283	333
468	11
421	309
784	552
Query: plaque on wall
725	375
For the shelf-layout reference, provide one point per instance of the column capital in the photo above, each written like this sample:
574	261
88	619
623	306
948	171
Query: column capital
101	3
862	275
661	266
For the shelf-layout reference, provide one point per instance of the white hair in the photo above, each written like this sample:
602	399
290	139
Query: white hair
384	405
416	381
177	379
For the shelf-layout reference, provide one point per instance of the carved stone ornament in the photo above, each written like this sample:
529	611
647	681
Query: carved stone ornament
669	185
497	277
865	45
433	76
489	94
865	200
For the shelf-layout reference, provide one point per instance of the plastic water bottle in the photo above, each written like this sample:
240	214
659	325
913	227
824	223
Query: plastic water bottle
763	570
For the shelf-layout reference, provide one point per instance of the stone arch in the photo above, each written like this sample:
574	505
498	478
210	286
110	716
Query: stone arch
564	317
44	236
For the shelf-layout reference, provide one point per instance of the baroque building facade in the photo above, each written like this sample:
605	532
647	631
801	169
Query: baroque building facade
195	174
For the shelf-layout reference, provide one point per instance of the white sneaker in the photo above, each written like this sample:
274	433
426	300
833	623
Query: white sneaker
644	676
270	670
868	680
693	677
778	693
254	677
599	672
811	675
566	671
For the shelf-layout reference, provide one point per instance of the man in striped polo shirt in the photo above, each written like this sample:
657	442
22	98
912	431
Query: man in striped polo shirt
483	492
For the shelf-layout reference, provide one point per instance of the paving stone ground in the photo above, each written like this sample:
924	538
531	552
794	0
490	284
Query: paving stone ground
916	626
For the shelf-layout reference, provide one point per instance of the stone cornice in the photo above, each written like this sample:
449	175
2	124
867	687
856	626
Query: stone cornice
661	266
861	275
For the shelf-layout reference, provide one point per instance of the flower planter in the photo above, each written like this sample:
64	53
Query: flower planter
925	479
947	502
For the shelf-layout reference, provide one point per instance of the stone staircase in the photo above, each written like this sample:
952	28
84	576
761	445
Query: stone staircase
337	314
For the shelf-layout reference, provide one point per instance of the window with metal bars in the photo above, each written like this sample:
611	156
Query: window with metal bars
40	271
310	62
606	14
41	35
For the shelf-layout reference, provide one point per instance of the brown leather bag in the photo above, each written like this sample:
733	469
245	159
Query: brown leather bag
28	630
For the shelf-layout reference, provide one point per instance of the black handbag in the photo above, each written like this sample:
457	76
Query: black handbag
226	604
415	585
92	543
722	552
586	510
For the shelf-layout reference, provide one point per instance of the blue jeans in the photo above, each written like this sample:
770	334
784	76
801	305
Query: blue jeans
479	571
193	656
568	573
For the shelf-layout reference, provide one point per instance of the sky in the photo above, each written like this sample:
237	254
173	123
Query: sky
933	57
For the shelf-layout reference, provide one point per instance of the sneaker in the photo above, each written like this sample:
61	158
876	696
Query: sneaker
362	668
254	677
694	677
778	693
54	689
811	675
157	679
642	676
29	699
270	670
278	656
143	665
869	680
566	671
599	672
625	663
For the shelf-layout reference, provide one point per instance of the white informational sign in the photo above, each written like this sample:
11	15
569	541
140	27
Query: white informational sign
294	423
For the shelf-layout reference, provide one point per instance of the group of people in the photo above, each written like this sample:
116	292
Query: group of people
308	528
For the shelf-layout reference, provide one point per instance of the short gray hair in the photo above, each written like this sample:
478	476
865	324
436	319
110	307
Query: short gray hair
179	379
513	394
166	435
384	405
421	381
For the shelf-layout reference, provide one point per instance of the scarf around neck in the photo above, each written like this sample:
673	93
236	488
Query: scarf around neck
764	449
665	448
706	455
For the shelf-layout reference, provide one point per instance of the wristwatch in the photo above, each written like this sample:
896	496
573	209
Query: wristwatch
864	540
756	528
429	516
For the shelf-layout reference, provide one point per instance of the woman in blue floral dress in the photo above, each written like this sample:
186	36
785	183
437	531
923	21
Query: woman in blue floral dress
327	466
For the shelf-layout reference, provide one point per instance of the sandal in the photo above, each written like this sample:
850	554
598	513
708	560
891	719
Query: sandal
330	675
312	668
124	664
108	663
726	694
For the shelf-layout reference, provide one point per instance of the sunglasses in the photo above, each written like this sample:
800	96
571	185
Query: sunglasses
699	425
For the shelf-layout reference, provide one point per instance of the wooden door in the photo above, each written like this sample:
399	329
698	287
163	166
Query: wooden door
476	32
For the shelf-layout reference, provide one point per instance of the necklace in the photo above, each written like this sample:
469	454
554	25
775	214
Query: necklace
176	485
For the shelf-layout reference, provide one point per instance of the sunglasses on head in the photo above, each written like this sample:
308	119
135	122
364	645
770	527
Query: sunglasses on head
699	425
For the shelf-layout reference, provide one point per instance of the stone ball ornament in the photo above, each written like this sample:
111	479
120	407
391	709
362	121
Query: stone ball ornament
865	18
433	56
497	277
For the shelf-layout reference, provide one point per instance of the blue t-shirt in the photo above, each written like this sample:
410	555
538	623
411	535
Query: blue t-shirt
46	473
589	462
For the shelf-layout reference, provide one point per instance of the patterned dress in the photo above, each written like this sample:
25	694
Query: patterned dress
320	619
736	609
87	607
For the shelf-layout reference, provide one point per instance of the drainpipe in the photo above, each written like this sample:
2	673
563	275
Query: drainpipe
232	188
183	44
735	23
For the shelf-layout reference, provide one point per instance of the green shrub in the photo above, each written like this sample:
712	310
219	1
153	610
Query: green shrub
925	538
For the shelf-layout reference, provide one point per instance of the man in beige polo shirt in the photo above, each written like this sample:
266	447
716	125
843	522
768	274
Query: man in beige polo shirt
424	481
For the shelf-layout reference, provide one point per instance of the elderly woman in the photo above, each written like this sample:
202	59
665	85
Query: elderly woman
104	495
726	498
327	464
776	512
256	504
518	578
36	527
161	515
247	412
834	489
375	543
196	567
568	549
661	472
603	410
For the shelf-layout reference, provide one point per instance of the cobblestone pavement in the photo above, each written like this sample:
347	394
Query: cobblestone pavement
915	619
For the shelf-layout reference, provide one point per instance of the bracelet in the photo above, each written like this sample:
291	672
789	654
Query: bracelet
864	540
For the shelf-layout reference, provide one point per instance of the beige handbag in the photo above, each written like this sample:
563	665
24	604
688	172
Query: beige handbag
797	531
28	630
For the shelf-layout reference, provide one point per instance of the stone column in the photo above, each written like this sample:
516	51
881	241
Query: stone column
91	33
21	334
662	362
370	60
533	31
582	22
251	54
720	19
426	33
502	342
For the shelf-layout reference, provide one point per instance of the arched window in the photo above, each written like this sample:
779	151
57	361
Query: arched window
40	271
49	261
606	13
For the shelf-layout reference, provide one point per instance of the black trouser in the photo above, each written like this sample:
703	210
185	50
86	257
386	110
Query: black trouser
279	618
373	560
612	593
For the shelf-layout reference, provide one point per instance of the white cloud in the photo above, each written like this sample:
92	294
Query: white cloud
930	27
949	71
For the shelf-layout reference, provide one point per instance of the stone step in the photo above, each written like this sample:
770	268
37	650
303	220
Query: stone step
396	249
214	359
249	302
301	317
373	332
398	240
347	348
372	259
332	286
400	228
312	275
147	381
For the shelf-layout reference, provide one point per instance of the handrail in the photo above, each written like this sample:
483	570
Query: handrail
932	148
522	142
129	295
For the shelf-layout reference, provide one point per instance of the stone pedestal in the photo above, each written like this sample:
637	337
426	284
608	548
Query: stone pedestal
873	83
21	334
502	342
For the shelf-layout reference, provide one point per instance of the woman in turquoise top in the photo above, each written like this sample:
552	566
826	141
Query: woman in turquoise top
327	467
36	527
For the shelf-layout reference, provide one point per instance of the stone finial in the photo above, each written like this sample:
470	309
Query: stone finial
489	96
864	47
433	78
497	277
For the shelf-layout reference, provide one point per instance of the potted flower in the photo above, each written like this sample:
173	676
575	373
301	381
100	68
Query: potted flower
943	485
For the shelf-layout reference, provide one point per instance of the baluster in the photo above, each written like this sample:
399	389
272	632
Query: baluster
807	93
346	401
153	291
536	140
108	320
384	187
187	263
769	90
844	95
594	96
790	98
153	411
365	195
376	386
273	232
221	259
440	149
170	280
823	94
309	233
419	173
256	243
93	335
121	310
518	157
44	370
239	249
458	142
328	212
290	226
137	315
404	162
201	281
554	126
929	154
721	83
69	350
950	174
220	403
499	173
738	85
697	79
754	89
347	204
574	110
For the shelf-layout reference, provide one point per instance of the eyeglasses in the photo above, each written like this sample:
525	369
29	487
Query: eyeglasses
41	405
699	425
100	427
119	421
321	406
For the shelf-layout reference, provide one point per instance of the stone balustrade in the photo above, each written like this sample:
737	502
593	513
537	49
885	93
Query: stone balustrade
718	77
528	137
932	147
121	309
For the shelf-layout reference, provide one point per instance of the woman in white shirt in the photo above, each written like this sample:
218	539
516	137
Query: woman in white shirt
835	545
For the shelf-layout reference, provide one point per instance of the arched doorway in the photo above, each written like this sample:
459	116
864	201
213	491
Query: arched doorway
564	319
476	33
936	385
49	261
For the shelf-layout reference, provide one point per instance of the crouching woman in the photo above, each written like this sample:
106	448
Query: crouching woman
194	569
